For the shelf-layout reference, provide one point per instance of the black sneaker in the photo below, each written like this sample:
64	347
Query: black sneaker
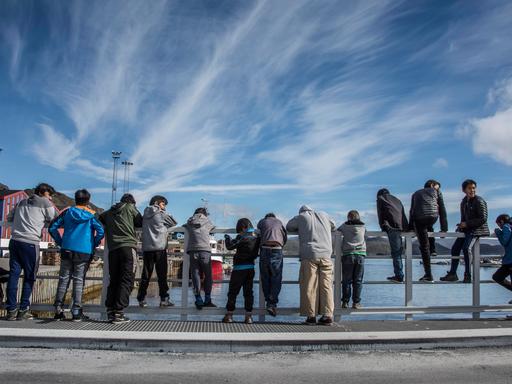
24	315
209	304
427	279
59	315
467	278
143	304
450	277
120	318
325	320
310	321
77	317
395	279
111	315
344	304
12	315
271	310
199	303
166	303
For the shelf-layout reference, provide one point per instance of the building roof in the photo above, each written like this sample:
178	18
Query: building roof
7	192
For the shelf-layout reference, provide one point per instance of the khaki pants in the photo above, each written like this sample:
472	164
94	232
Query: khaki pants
316	291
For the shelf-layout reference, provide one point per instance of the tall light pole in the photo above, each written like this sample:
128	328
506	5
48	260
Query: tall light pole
126	181
115	156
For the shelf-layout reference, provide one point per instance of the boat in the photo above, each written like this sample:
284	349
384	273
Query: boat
217	260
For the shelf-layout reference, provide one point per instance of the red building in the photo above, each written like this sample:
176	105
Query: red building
8	200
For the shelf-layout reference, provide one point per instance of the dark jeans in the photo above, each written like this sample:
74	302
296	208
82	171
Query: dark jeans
422	227
75	266
154	260
201	264
271	272
353	271
432	241
464	244
397	249
122	263
239	279
500	276
22	257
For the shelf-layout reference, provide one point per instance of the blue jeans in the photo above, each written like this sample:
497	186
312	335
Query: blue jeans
397	249
464	244
353	271
22	257
201	263
72	267
271	272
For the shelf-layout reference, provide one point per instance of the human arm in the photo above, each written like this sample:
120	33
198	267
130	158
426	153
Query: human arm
443	218
54	228
169	221
293	224
99	232
504	235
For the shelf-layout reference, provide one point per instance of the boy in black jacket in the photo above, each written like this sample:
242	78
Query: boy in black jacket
247	245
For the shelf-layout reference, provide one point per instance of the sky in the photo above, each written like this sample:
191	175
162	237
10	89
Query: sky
259	106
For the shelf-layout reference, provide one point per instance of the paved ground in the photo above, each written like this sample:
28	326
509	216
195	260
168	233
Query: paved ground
74	366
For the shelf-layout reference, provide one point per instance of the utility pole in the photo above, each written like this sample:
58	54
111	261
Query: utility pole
115	156
126	181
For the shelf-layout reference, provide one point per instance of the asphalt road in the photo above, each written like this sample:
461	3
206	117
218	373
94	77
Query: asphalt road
80	366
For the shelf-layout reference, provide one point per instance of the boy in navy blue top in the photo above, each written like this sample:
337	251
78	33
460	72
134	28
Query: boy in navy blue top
247	245
504	235
82	234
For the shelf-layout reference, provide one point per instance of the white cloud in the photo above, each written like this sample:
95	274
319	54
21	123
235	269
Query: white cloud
54	149
440	163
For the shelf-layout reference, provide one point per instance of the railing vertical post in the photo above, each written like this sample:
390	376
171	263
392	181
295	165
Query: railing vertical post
185	268
106	279
337	275
408	273
476	277
261	301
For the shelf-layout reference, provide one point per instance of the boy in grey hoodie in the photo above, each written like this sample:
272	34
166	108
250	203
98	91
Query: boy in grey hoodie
198	248
155	224
28	219
315	251
353	248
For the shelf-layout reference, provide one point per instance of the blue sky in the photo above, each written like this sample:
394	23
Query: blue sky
259	106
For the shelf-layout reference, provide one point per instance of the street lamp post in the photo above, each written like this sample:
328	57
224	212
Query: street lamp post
115	156
126	181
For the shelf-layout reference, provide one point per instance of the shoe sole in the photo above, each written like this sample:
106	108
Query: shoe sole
120	322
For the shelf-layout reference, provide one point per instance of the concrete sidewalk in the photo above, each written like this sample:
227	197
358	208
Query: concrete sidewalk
178	336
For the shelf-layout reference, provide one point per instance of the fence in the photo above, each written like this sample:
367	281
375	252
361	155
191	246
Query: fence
408	310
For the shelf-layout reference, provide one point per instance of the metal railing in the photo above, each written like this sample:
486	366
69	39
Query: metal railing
408	309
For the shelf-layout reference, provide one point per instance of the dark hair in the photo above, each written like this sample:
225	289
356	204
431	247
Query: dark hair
503	217
382	191
201	210
270	214
128	199
42	188
353	216
243	225
157	199
468	182
432	183
82	197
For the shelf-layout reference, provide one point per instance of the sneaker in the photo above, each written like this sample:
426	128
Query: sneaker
77	317
12	315
248	318
357	306
271	310
24	314
396	279
209	304
120	318
467	278
143	304
228	318
325	320
433	254
166	303
344	305
310	321
111	315
427	279
450	277
199	303
59	315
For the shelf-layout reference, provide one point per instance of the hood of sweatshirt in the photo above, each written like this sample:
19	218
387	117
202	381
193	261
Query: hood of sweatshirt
305	208
80	214
151	211
198	220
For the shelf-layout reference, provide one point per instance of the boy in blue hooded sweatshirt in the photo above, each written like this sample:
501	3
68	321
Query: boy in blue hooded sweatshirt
504	235
82	234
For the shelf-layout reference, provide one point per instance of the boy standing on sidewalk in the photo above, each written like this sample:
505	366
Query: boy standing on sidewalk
198	228
28	219
354	252
120	222
155	224
82	234
273	238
